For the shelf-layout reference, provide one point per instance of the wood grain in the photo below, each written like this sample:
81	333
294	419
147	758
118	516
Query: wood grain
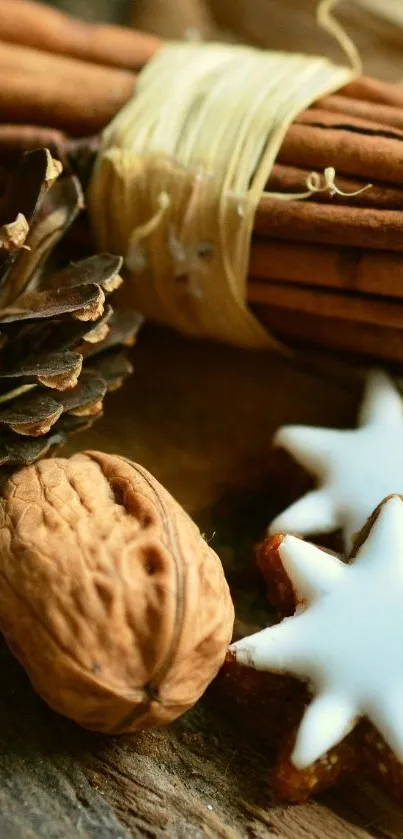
43	791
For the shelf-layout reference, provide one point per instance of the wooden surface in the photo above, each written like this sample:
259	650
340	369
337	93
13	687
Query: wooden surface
201	418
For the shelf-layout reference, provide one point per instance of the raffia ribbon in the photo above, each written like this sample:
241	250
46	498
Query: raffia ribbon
180	173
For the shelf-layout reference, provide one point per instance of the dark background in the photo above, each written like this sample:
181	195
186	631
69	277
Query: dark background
276	24
112	10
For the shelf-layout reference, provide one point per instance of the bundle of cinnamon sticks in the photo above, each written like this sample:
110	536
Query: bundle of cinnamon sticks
325	272
328	272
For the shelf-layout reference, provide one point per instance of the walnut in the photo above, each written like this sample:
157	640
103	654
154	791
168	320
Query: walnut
109	596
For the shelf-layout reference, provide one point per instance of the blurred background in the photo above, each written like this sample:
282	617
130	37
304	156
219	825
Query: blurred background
117	11
376	26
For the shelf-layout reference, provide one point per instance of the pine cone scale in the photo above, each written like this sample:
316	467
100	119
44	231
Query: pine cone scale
60	342
82	302
31	415
55	368
102	269
52	217
13	236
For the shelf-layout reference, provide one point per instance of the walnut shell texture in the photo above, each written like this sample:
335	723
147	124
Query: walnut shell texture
109	596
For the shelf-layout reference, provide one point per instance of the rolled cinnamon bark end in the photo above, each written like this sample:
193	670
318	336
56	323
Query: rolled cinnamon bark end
35	25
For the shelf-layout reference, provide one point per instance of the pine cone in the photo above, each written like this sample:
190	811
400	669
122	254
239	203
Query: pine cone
60	344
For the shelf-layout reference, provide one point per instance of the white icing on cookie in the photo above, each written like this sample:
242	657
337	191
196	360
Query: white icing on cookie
356	469
346	639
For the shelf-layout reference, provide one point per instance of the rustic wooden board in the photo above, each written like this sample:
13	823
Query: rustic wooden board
43	791
200	417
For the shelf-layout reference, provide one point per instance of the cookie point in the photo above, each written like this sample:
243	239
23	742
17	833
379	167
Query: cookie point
242	653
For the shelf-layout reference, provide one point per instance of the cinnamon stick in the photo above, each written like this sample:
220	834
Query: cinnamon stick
328	119
342	268
361	227
36	25
18	58
373	90
293	179
328	304
387	115
362	327
363	155
60	92
358	340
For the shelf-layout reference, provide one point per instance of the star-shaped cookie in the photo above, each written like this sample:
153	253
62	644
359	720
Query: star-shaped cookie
355	469
345	641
